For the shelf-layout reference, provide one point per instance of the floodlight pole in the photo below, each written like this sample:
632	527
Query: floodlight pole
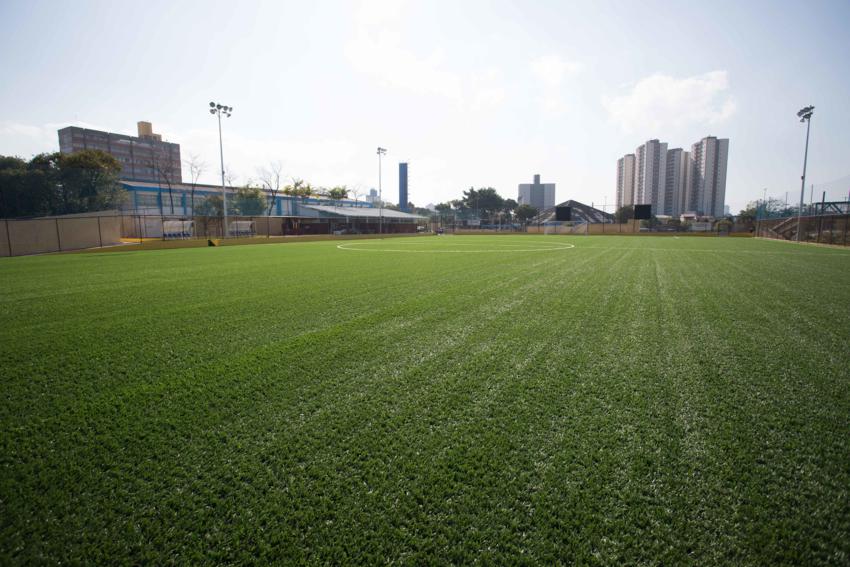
381	151
217	109
223	185
805	116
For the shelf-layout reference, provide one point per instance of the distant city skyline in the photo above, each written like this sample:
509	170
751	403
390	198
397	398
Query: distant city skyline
317	86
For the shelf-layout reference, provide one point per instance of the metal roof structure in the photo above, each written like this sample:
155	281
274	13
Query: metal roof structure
362	212
201	188
581	213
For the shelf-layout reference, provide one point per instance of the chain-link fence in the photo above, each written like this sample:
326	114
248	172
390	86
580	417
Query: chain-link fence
821	229
166	227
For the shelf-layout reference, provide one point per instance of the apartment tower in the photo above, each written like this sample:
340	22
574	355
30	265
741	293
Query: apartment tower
650	173
706	184
675	183
626	180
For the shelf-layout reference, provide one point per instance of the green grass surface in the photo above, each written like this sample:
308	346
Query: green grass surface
431	400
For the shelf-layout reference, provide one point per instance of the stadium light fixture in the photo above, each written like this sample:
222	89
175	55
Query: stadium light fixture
381	152
219	109
805	115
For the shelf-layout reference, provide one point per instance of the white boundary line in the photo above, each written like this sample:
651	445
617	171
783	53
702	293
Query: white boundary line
434	251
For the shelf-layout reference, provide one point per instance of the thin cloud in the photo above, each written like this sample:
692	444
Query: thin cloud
661	102
377	49
551	72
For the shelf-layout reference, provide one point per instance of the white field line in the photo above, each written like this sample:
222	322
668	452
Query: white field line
436	251
839	252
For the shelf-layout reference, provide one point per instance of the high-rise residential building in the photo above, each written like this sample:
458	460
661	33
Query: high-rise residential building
626	180
706	185
650	173
402	186
671	200
538	195
143	158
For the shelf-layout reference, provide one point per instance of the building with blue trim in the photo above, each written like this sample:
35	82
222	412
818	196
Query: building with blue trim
297	215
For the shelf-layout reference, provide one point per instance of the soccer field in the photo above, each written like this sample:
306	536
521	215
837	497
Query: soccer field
503	399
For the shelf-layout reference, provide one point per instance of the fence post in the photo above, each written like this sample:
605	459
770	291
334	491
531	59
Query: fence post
58	238
99	235
9	236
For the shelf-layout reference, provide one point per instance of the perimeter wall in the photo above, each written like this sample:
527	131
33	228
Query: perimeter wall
21	237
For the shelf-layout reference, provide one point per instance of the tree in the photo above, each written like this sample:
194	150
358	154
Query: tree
212	206
724	225
525	213
459	205
249	201
59	184
299	188
508	209
485	201
27	188
270	178
161	164
88	181
765	208
196	168
650	223
624	214
338	193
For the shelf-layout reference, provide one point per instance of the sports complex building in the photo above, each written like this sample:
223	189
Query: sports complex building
152	206
160	204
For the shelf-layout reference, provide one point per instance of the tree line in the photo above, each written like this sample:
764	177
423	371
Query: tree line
59	184
487	205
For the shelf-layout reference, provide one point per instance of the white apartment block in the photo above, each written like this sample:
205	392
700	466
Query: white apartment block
650	173
626	180
706	193
675	181
672	200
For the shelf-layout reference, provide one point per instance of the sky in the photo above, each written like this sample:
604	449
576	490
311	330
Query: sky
470	93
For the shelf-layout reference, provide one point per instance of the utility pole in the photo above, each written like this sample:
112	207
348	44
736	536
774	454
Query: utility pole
805	115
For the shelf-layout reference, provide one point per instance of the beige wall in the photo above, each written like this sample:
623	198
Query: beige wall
32	236
268	226
630	227
77	233
4	239
37	236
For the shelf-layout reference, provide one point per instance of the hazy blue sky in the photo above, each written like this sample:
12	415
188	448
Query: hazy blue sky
469	92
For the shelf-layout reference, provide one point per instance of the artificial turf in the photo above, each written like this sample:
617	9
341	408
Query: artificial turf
430	400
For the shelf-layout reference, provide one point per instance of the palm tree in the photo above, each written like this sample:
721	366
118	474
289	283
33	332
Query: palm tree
338	193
